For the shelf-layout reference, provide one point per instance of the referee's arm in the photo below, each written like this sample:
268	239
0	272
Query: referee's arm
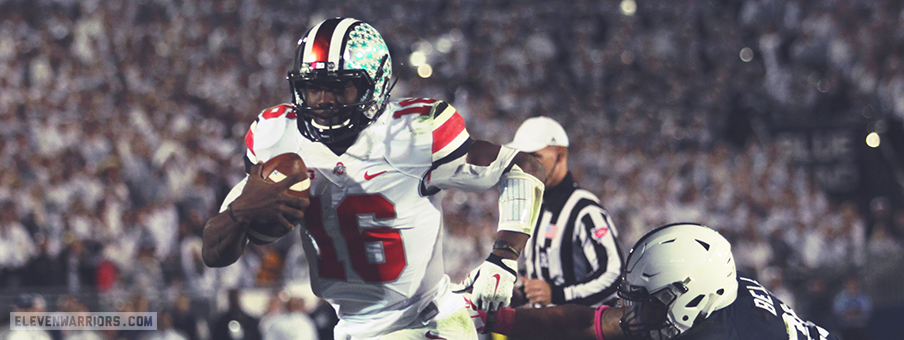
596	236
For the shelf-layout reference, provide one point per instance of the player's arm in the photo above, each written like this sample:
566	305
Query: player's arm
567	322
253	200
520	178
521	186
223	241
559	322
463	163
474	165
484	153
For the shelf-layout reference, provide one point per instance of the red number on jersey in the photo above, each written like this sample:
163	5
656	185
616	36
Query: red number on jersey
279	110
376	254
328	263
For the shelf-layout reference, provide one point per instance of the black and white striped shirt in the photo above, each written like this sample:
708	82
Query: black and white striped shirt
574	247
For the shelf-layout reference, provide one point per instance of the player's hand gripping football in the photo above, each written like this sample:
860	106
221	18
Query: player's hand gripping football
491	284
263	202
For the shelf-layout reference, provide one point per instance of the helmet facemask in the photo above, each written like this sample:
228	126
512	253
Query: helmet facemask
647	316
337	120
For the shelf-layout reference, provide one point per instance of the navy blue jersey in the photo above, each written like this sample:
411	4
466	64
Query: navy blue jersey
756	314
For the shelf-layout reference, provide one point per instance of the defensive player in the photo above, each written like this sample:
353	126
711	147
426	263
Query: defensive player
377	167
680	283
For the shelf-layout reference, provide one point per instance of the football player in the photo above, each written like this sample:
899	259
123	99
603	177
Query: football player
373	223
680	283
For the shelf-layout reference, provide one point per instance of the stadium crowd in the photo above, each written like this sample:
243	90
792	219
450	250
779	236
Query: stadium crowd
119	122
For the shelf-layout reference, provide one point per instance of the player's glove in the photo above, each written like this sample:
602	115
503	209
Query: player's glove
491	284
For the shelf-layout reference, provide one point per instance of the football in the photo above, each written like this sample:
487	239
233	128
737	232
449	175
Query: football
277	169
284	165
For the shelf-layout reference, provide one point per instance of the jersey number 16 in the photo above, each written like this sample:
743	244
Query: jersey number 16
375	254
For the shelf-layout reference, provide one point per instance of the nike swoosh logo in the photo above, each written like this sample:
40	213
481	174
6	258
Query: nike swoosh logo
368	176
497	277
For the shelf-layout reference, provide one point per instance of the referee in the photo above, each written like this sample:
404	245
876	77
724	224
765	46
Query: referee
573	255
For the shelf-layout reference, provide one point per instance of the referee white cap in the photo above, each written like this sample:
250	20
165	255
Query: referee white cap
537	133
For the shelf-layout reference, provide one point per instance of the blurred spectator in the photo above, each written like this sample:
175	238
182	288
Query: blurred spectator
239	275
296	265
754	251
816	302
165	330
817	251
44	270
71	304
773	280
79	265
271	268
162	220
464	243
882	244
852	308
16	246
26	303
199	278
783	254
235	323
325	319
853	229
185	320
128	239
107	275
145	276
287	323
879	220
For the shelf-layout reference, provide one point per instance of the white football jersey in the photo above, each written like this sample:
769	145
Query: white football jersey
374	223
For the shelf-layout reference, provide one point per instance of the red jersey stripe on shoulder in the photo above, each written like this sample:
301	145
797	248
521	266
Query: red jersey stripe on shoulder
407	102
421	110
279	110
448	131
249	139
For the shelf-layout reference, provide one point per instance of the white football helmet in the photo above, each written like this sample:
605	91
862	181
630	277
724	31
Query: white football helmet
332	54
675	276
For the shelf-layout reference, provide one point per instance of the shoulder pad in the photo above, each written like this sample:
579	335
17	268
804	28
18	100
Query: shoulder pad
269	127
